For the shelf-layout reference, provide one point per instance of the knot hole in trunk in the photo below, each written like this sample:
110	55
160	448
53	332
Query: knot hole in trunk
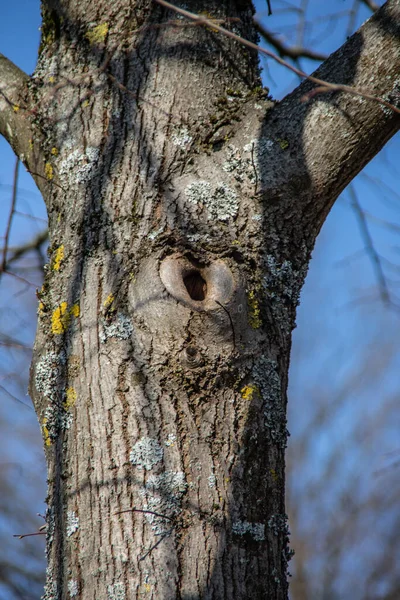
195	285
200	287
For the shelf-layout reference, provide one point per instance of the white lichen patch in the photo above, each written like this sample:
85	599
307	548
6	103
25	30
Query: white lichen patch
153	234
78	165
181	138
220	201
256	530
212	480
163	495
73	588
146	453
171	439
116	591
72	523
121	328
259	147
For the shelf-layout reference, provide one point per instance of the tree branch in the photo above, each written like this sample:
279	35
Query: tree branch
12	120
14	124
293	52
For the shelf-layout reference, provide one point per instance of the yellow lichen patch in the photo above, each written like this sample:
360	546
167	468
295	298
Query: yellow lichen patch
273	474
46	434
75	310
52	79
40	309
54	151
284	144
147	587
85	103
249	391
48	171
30	144
98	34
15	108
71	397
254	310
60	319
108	301
58	257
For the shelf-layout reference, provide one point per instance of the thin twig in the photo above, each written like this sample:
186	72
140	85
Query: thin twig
369	246
10	217
293	52
141	510
34	244
324	85
163	536
24	535
371	5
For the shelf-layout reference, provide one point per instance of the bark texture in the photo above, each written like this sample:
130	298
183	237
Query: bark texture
183	209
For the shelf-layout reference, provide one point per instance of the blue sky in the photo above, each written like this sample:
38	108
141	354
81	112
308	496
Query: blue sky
343	328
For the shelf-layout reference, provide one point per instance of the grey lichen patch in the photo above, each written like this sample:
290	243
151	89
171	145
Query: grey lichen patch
55	419
220	201
73	588
163	494
116	591
283	286
235	163
72	523
265	373
78	165
49	381
50	528
121	328
51	591
255	530
278	524
49	372
181	138
393	97
146	453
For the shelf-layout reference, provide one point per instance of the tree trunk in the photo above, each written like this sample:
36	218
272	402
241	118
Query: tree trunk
183	209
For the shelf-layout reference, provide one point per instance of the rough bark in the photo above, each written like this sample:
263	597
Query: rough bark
183	208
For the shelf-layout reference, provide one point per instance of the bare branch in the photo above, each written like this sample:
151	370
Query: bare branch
34	244
10	217
369	246
371	4
293	52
